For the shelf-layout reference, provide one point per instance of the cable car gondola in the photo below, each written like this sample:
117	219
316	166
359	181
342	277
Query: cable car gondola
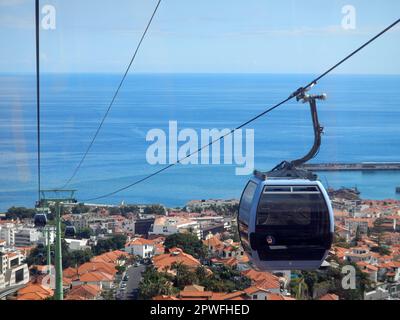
285	216
40	220
70	231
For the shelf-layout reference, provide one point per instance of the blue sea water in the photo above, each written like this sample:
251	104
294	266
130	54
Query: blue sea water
361	119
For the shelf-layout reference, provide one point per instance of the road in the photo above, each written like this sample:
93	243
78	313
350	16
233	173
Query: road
135	275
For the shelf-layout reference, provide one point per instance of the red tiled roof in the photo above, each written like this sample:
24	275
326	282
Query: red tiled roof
70	272
33	296
96	276
110	257
86	291
34	292
262	279
165	261
254	289
213	242
237	295
97	266
139	242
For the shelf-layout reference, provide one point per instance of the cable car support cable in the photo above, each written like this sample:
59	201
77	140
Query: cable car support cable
300	91
112	100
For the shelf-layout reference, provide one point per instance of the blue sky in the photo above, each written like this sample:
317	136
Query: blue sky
286	36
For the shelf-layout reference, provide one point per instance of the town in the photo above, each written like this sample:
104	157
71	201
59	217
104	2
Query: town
130	252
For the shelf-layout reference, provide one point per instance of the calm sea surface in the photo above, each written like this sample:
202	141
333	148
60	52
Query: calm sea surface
361	119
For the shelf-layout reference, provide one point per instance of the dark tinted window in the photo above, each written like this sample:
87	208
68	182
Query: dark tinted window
305	189
291	209
19	275
246	202
14	262
277	189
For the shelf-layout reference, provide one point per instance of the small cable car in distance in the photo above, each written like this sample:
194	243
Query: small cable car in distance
70	231
40	220
285	216
40	217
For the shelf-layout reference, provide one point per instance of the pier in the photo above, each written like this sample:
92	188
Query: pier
360	166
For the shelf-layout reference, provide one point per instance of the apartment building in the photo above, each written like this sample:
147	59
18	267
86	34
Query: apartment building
361	224
7	233
12	269
26	236
166	226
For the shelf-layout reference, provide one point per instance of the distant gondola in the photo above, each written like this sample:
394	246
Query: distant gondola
40	245
70	231
40	220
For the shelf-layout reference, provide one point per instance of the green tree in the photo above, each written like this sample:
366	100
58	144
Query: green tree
154	209
310	279
129	209
225	279
155	283
80	208
184	276
84	233
120	269
298	286
77	257
108	294
38	256
20	213
201	273
114	243
188	242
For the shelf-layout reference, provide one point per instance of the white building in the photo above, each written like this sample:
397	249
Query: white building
76	244
361	254
194	205
170	225
140	247
25	237
354	224
12	270
42	237
7	233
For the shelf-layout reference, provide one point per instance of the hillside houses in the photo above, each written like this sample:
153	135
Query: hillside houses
165	262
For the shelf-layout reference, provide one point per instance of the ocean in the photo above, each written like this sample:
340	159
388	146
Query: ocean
360	118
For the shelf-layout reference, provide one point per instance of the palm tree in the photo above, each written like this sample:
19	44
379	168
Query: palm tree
300	288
